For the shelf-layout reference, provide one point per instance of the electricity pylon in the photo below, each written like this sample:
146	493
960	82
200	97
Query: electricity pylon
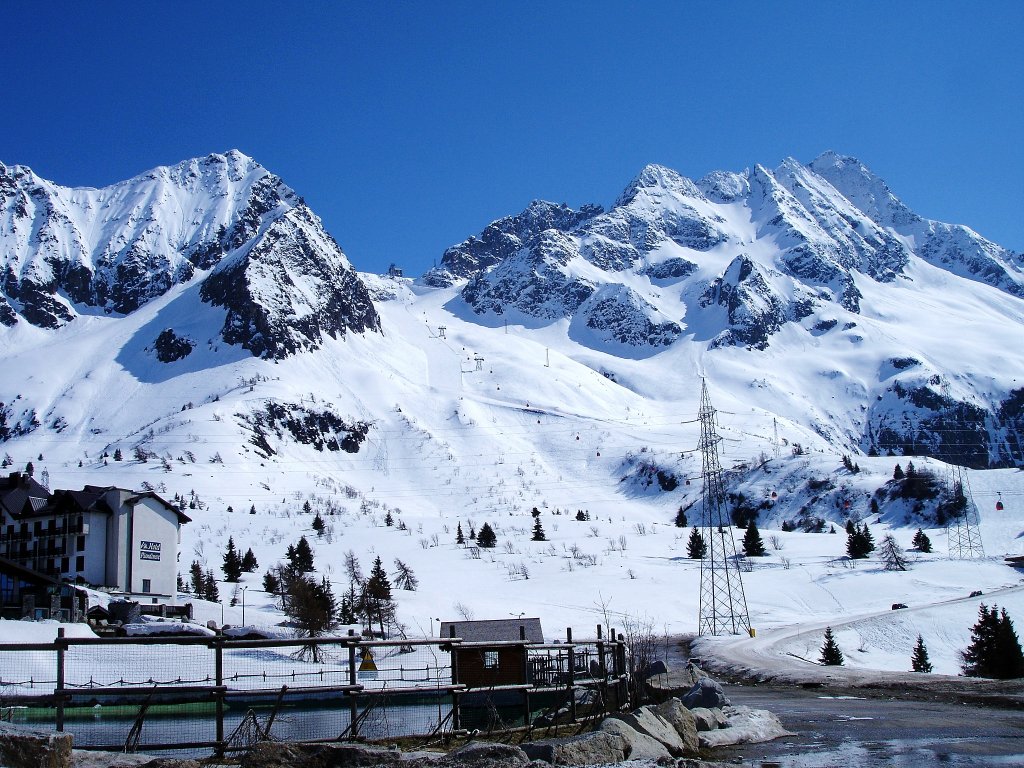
723	605
963	534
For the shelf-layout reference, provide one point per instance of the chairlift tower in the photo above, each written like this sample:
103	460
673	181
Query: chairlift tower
963	532
723	604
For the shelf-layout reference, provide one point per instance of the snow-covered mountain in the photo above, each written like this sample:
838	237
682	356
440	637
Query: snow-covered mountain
263	254
198	324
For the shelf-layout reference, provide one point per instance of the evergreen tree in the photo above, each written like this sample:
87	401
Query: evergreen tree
377	596
850	528
249	564
405	578
919	660
538	531
198	578
892	556
979	658
118	456
30	469
681	521
696	547
753	546
271	584
995	650
831	655
181	587
232	563
921	541
306	507
869	540
388	519
311	608
318	525
486	538
303	557
472	532
897	473
873	506
459	538
210	591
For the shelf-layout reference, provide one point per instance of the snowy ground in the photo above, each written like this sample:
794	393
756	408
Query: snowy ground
451	443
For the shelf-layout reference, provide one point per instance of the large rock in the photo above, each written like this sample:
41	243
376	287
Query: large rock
267	754
489	753
22	747
594	748
647	721
708	719
706	693
746	726
640	746
91	759
683	721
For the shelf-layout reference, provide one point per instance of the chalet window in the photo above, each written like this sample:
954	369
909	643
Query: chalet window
38	527
147	586
80	563
80	544
490	659
64	565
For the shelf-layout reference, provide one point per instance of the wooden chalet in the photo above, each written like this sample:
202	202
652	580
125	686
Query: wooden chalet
492	652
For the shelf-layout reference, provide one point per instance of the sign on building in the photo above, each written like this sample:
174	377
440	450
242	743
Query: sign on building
149	550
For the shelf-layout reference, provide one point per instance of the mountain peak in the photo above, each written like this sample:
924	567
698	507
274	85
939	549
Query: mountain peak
862	187
656	177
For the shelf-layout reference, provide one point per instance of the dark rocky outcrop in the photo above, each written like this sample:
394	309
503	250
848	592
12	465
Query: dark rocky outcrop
170	347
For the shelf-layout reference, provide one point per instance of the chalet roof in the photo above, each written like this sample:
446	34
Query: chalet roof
17	489
497	630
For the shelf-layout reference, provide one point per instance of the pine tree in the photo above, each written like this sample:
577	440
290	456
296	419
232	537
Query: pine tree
696	547
312	609
979	658
198	578
897	473
753	546
303	558
919	660
459	538
181	586
921	541
249	564
388	519
831	655
30	469
680	521
377	596
271	584
210	591
232	563
486	538
118	456
892	556
318	525
1008	649
538	531
850	528
869	540
405	578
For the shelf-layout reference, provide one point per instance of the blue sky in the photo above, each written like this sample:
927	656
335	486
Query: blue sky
409	126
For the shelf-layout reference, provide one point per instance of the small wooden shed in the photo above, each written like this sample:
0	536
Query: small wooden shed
493	652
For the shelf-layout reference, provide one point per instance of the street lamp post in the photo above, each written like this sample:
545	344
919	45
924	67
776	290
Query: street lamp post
243	605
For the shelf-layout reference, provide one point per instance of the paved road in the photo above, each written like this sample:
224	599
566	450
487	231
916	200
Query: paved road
855	732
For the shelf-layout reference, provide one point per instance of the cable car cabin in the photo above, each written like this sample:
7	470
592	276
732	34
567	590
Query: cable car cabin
505	663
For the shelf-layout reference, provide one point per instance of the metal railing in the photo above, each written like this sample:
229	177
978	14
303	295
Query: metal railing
223	694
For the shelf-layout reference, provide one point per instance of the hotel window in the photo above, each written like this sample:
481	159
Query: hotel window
80	563
80	544
147	586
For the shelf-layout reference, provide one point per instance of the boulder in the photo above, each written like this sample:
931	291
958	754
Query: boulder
706	693
683	721
268	754
594	748
639	746
81	758
486	752
708	719
647	721
22	747
746	726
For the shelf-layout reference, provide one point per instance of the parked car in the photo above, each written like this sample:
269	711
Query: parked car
897	606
